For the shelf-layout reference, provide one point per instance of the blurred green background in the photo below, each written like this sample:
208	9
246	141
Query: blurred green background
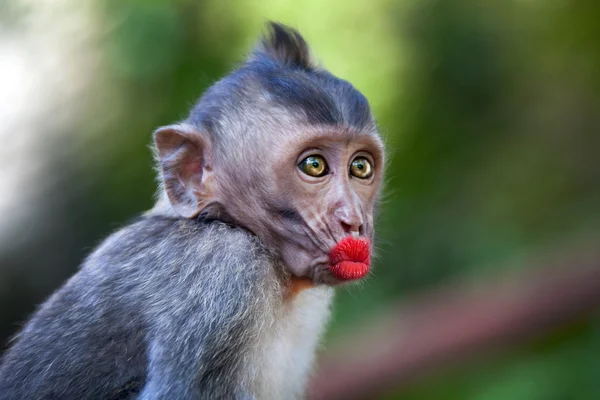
490	111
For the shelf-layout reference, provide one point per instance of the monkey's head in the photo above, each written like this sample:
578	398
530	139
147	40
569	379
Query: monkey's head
286	150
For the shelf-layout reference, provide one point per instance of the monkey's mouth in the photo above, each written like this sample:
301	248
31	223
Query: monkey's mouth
350	259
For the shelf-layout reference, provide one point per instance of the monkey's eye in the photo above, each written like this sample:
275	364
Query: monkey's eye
361	168
313	166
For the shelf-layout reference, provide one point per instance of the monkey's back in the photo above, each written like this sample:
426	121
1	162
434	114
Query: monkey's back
90	340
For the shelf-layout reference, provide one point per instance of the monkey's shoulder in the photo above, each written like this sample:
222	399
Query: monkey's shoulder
154	229
159	242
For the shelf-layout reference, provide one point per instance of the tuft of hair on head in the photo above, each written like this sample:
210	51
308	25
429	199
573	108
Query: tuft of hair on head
284	45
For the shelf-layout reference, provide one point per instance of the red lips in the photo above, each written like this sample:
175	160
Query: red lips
350	259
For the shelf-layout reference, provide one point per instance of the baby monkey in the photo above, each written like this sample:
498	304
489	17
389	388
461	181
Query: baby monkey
222	289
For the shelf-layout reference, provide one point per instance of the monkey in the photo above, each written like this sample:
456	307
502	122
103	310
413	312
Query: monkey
265	204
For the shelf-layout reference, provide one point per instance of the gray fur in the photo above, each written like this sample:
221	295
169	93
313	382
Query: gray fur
143	315
285	45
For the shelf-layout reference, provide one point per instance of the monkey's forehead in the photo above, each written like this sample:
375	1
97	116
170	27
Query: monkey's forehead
336	137
275	125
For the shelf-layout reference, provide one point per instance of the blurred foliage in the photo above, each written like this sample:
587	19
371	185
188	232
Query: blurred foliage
491	115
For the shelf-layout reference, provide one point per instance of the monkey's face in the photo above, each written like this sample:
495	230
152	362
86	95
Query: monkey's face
320	189
307	192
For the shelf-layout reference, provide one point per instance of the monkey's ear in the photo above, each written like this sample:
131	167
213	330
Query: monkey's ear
184	158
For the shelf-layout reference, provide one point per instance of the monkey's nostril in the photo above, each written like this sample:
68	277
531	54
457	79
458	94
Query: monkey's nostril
346	227
351	229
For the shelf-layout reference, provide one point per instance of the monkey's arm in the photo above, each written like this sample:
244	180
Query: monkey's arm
204	320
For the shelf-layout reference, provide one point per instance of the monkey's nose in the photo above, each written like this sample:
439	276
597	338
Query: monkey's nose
349	219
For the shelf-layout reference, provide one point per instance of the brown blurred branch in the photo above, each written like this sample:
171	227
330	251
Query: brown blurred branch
455	323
